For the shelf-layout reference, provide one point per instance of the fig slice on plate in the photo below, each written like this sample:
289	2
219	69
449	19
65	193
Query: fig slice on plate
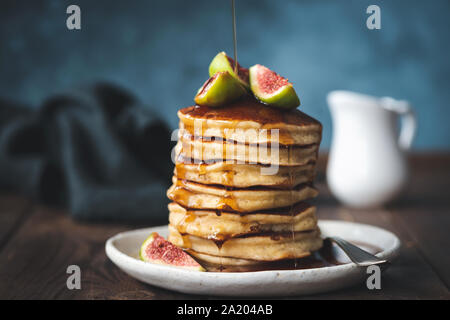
221	89
156	249
271	88
222	62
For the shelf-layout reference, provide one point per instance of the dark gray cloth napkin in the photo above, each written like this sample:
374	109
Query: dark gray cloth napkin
95	151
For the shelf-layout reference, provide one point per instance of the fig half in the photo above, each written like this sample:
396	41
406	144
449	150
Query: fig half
156	249
271	88
222	62
222	88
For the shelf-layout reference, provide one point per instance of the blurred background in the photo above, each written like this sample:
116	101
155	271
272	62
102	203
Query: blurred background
158	53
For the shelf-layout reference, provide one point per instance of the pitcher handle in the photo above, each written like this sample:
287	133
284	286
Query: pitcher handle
409	124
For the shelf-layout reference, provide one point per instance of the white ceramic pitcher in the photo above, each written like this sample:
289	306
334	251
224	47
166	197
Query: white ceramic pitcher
367	165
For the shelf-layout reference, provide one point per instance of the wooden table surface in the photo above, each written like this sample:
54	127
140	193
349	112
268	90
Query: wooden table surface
38	243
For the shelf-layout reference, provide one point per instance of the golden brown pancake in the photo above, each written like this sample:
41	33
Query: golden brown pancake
295	127
223	225
222	261
242	175
201	196
211	151
271	247
226	264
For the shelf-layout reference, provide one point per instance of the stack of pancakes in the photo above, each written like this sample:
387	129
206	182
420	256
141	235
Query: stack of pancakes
242	175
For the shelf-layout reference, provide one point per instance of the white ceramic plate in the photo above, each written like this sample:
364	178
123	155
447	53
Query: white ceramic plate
123	250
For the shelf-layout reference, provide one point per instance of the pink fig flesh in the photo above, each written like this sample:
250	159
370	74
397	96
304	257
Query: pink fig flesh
156	249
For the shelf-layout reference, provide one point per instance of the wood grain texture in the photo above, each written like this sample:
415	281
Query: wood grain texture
33	265
424	211
421	219
13	210
39	243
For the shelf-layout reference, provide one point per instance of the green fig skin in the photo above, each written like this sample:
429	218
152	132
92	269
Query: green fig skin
221	62
219	90
284	97
144	245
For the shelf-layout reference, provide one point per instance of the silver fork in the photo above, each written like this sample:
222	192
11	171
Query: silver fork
359	256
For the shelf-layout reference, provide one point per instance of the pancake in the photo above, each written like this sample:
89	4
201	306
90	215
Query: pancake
212	150
295	127
271	247
201	196
242	175
207	259
223	225
226	264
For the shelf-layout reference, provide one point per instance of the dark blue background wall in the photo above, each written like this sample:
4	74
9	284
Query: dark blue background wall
161	50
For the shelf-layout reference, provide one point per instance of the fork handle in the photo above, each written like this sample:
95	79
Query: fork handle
357	255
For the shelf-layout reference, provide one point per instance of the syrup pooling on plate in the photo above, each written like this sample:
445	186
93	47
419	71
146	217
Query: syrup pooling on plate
327	256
